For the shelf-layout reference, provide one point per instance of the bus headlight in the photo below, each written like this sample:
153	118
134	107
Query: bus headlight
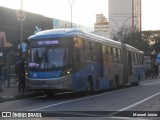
26	73
66	72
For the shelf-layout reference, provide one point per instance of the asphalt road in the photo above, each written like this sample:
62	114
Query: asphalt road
126	103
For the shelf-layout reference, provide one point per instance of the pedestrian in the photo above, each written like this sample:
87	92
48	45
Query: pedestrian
1	77
20	71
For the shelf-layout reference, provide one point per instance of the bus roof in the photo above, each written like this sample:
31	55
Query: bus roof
131	48
101	39
55	33
72	32
68	32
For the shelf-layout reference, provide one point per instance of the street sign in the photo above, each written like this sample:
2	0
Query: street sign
21	15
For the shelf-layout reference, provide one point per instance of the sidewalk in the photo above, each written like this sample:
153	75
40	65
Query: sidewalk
11	93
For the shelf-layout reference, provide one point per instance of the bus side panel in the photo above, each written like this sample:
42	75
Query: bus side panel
80	78
80	75
137	74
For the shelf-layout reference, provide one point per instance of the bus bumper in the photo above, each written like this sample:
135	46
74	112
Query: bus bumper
56	84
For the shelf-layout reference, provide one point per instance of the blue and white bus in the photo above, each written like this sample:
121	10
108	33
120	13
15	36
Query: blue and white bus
73	60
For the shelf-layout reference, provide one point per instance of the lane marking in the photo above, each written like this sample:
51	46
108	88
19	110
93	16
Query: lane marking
100	94
56	104
69	101
151	83
133	105
137	103
84	98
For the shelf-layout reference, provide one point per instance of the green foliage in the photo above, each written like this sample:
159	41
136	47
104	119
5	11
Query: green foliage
146	41
153	37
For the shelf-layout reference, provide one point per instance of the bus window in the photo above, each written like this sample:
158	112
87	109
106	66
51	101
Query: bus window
76	55
114	55
87	51
95	52
104	53
119	56
78	51
138	59
48	57
130	63
109	55
135	58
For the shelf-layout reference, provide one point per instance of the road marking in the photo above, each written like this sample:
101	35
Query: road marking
151	83
137	103
133	105
69	101
52	105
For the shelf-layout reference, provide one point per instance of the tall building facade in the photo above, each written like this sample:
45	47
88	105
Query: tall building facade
124	13
101	25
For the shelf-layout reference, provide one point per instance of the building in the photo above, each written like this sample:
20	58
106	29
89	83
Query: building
101	25
33	23
124	13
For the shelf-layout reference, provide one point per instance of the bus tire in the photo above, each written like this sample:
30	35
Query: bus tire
115	86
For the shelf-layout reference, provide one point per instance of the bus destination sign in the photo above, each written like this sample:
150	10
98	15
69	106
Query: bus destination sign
45	42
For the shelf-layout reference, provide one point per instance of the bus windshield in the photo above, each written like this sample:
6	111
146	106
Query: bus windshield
48	57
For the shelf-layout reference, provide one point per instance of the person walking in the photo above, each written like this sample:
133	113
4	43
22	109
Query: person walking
20	71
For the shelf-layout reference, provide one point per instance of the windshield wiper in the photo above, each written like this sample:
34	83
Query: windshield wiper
46	61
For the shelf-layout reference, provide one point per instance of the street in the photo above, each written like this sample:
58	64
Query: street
104	105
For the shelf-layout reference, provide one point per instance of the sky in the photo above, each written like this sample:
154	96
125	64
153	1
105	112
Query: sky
84	11
150	14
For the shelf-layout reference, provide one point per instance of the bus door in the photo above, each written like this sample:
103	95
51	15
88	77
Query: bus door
100	66
98	58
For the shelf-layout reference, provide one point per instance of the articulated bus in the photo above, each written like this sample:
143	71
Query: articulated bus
62	60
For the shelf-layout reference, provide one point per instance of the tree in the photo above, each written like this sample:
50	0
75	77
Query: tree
133	38
153	37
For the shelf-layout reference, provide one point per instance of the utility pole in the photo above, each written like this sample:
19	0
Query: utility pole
71	5
21	29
